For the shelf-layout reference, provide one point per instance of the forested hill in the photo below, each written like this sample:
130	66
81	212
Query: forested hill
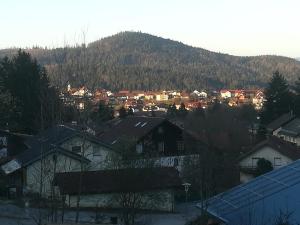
134	60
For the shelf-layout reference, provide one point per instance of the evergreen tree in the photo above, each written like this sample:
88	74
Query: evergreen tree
36	103
122	112
199	112
279	99
263	166
130	111
104	112
297	98
172	111
182	111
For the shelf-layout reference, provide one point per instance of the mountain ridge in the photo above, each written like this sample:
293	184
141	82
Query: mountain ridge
135	60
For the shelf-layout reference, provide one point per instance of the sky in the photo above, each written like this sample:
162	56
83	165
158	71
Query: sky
237	27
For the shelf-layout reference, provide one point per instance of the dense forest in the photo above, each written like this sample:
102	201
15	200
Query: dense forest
134	60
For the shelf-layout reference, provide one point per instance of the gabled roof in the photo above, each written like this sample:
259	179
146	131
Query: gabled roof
291	128
60	133
132	128
122	180
280	121
261	200
285	148
48	142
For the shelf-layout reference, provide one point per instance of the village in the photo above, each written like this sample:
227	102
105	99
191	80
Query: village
147	101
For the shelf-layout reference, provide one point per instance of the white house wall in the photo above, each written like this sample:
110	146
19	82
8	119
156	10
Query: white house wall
33	174
97	154
267	153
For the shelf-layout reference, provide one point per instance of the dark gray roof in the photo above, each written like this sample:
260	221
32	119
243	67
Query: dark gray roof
131	128
122	180
280	121
292	128
288	149
48	141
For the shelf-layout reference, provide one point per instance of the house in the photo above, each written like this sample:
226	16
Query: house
152	188
225	94
275	126
149	95
290	131
184	95
273	149
138	95
11	144
264	200
162	97
61	148
153	136
202	94
258	100
81	92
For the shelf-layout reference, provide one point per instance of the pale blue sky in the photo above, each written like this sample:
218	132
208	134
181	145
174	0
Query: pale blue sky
238	27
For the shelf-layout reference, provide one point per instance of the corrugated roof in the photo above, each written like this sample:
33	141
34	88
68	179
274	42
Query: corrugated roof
261	200
122	180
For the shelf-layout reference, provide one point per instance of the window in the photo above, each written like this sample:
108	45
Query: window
161	146
254	161
96	151
144	124
139	148
137	124
180	146
175	162
277	161
76	149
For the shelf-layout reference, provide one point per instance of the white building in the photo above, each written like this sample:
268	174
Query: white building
275	150
225	94
58	149
151	188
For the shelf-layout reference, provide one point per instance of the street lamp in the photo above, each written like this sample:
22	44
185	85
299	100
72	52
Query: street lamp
186	189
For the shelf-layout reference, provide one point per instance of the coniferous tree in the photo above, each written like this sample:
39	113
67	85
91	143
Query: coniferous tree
104	112
33	98
130	111
279	99
297	98
172	111
122	112
182	111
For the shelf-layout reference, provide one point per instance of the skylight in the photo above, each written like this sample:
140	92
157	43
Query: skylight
144	124
137	124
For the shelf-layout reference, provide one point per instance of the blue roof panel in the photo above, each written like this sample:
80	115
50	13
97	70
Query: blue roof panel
261	200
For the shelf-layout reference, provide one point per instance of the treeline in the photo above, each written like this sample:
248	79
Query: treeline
135	61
